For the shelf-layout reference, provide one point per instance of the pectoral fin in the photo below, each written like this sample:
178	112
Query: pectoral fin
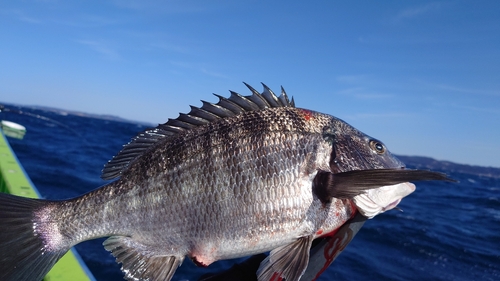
349	184
287	262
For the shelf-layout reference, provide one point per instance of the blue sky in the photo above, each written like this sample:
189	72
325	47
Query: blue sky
422	76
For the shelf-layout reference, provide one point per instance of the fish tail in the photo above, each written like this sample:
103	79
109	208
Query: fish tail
24	252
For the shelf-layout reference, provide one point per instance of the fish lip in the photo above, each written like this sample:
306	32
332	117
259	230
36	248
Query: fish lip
392	205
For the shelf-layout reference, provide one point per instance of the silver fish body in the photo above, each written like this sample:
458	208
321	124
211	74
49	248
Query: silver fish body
232	189
244	176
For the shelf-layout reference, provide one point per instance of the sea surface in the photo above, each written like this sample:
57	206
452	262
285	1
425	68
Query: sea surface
447	231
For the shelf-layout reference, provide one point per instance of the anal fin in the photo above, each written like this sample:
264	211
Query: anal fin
138	263
288	262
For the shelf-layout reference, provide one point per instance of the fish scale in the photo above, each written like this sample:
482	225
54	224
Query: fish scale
209	190
247	175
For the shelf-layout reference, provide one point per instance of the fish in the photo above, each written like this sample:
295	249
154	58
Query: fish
243	176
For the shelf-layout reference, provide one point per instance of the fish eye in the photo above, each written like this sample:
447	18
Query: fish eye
377	146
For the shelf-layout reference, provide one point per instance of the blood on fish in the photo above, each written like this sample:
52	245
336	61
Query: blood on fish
307	114
276	277
333	247
197	262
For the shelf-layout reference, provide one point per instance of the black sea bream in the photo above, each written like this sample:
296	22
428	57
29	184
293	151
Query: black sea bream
244	176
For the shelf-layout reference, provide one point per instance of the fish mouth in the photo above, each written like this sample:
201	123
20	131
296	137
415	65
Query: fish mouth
373	203
391	206
378	190
409	188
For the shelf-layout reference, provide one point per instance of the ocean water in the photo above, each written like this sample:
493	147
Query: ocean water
447	231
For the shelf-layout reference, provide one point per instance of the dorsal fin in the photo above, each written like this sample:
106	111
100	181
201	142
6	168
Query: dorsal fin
198	116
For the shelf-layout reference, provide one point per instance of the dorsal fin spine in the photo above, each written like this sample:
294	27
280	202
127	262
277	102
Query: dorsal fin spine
197	121
254	92
180	124
257	98
242	101
216	109
235	108
198	116
270	97
283	97
198	112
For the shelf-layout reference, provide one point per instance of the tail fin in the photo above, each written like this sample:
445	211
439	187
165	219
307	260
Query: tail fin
23	253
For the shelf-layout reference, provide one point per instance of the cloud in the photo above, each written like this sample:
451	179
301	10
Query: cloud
100	48
363	94
30	20
87	21
170	48
467	90
364	86
477	109
350	91
213	73
418	11
165	7
198	67
353	79
95	20
371	116
20	15
370	96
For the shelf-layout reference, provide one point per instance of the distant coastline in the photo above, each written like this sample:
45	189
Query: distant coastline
428	163
415	162
78	113
88	115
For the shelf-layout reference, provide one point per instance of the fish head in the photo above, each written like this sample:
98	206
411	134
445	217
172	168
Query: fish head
381	199
354	150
